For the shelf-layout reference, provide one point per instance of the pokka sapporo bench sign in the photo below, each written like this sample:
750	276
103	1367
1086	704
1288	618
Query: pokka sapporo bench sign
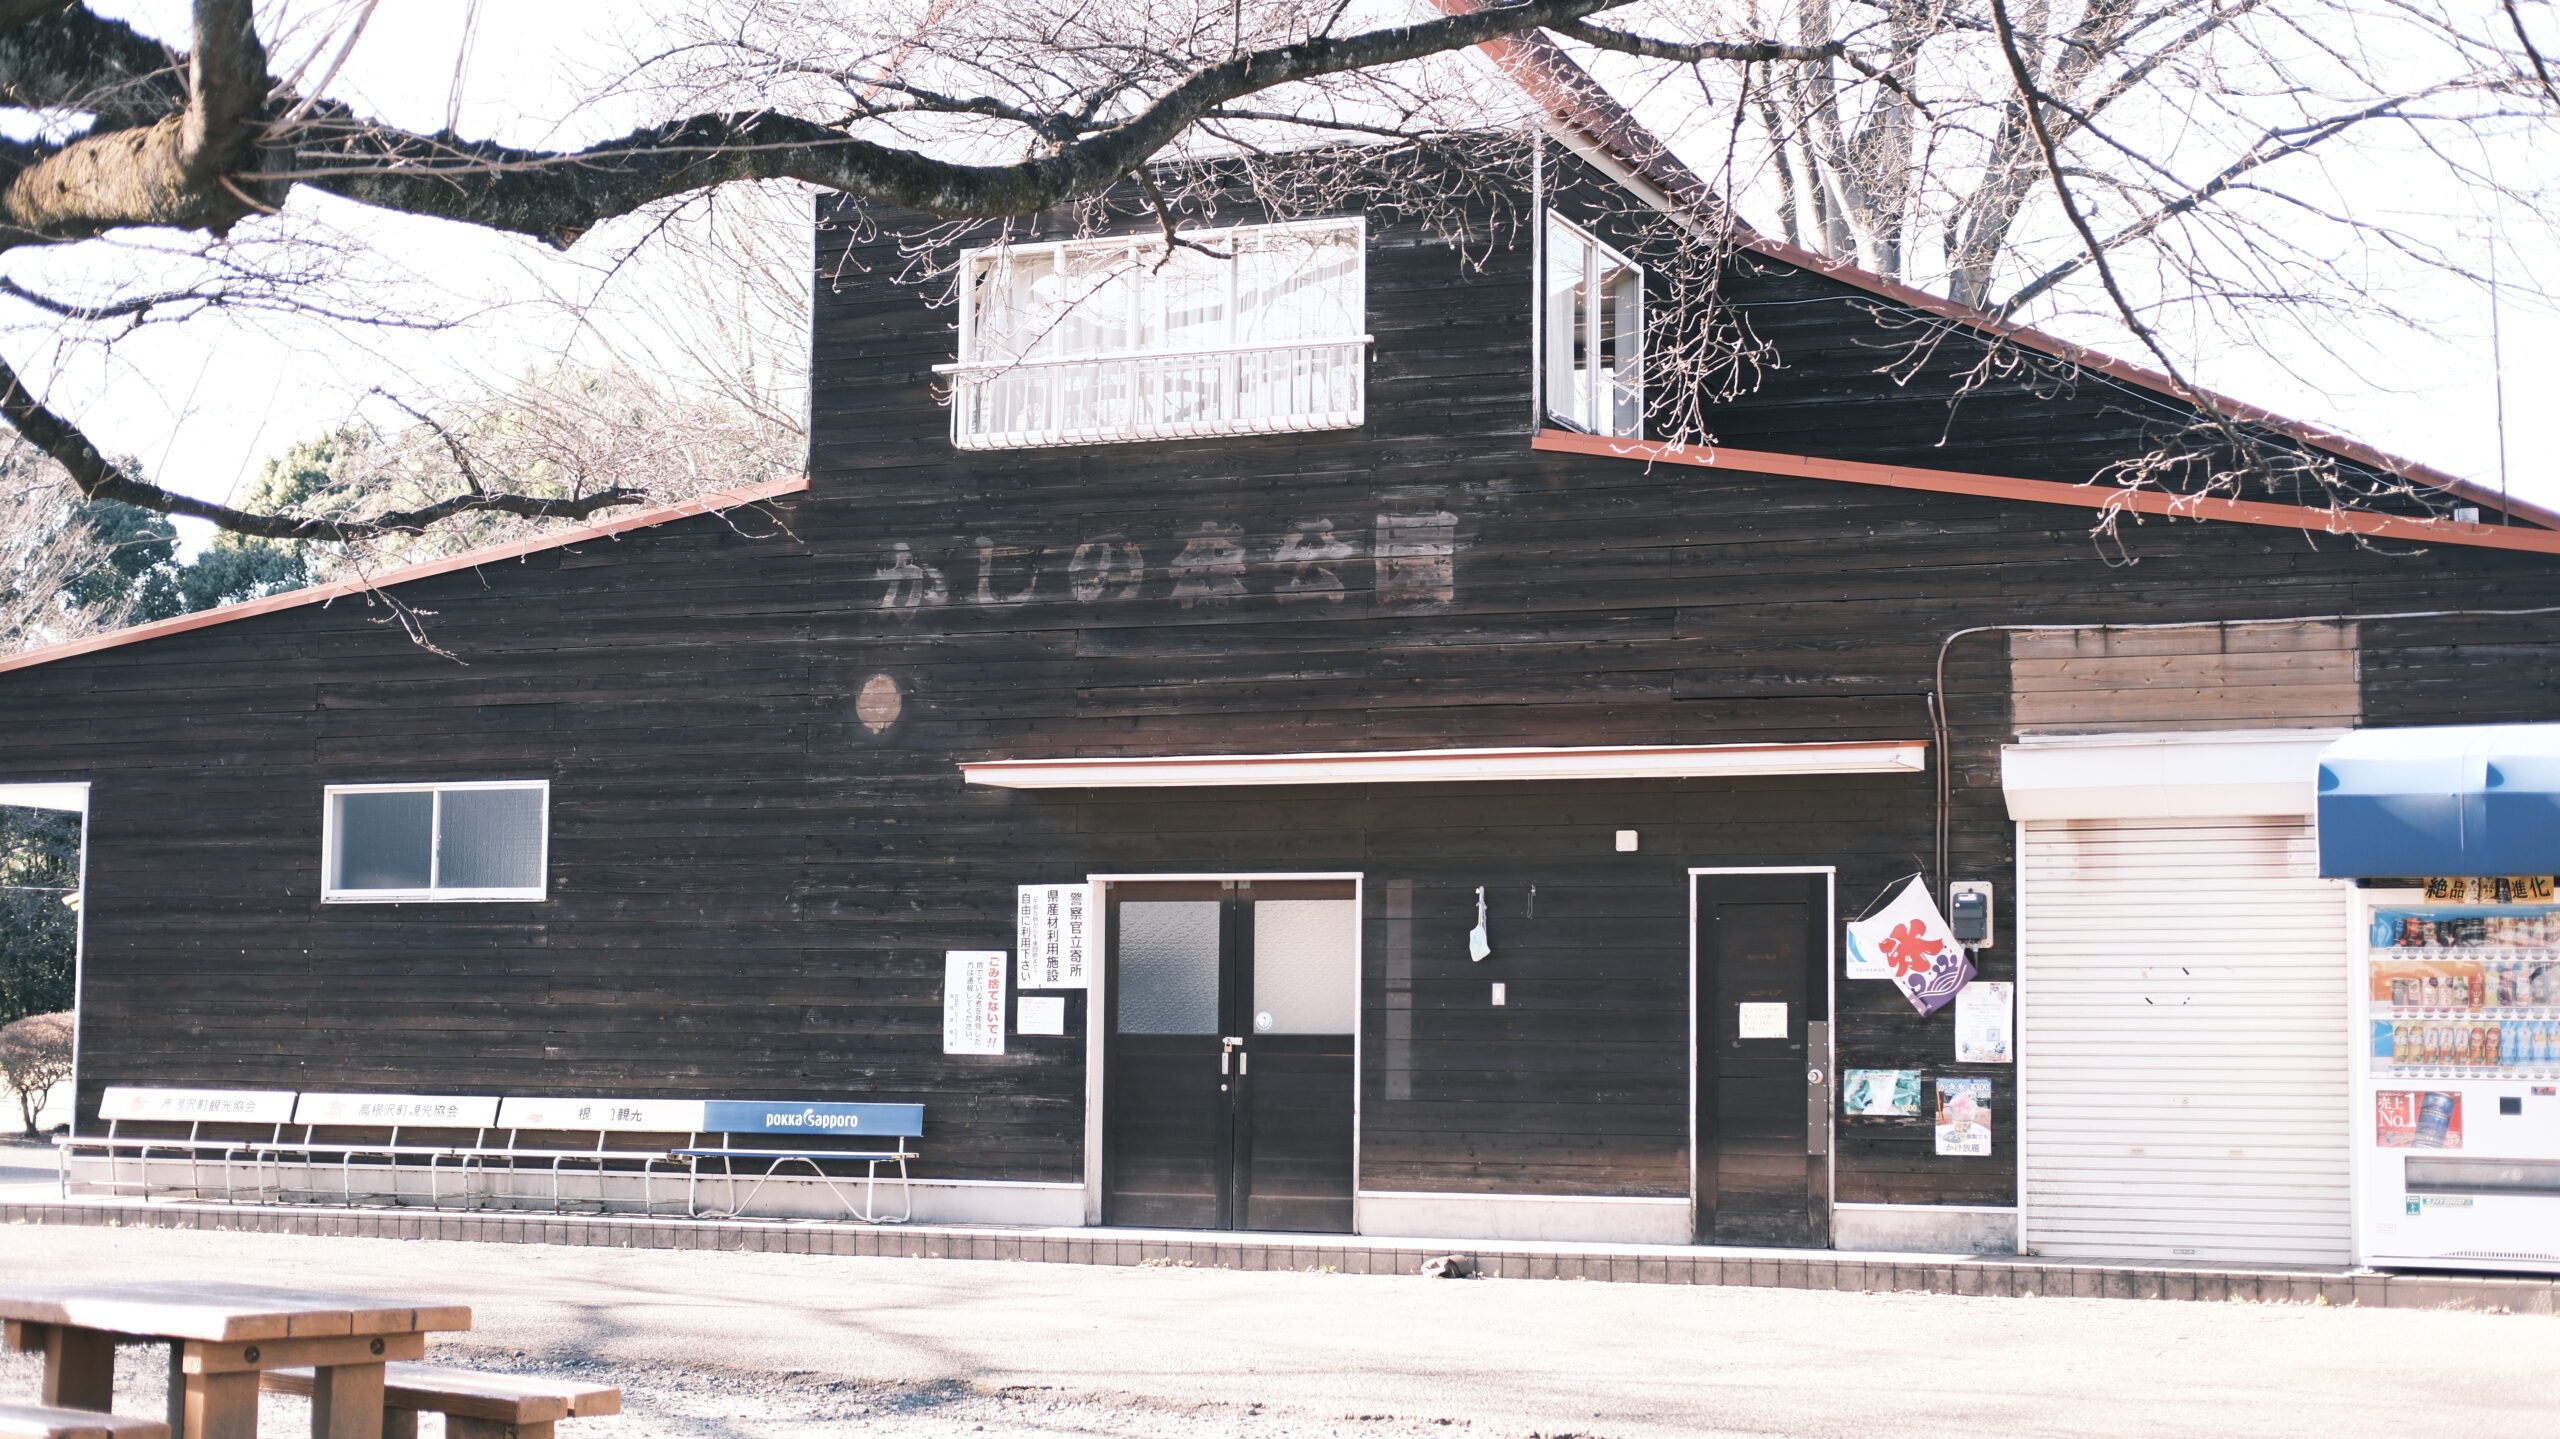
764	1116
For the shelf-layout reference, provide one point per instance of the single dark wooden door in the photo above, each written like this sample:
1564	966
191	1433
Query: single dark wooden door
1764	1172
1228	1079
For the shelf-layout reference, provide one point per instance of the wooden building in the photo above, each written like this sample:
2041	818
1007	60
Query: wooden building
1320	598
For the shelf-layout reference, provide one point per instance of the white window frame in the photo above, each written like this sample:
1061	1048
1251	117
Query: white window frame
975	367
433	894
1597	398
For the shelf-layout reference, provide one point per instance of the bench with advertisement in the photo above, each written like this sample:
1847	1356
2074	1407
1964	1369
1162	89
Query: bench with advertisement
488	1151
856	1132
196	1132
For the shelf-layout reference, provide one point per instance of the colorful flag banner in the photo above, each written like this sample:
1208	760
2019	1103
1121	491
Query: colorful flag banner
1910	937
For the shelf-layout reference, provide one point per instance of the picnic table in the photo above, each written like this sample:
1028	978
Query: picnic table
221	1337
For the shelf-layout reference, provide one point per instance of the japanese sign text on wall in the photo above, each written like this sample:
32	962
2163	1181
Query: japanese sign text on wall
973	1001
1053	936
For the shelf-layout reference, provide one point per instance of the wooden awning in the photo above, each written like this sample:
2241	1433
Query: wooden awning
1451	766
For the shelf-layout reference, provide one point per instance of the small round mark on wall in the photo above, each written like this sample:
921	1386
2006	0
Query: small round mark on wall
879	704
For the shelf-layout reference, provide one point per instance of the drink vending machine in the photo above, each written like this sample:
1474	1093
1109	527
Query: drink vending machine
2458	1098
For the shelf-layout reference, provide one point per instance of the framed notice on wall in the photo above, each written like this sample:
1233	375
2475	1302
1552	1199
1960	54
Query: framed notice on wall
1053	936
973	1001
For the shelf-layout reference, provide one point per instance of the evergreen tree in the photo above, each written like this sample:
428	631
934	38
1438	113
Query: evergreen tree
39	873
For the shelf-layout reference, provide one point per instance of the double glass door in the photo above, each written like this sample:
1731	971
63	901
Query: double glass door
1227	1090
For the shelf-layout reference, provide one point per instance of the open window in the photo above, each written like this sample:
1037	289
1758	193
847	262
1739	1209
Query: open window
1251	330
485	840
1592	312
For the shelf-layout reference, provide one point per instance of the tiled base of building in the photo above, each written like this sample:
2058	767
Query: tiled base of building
1860	1272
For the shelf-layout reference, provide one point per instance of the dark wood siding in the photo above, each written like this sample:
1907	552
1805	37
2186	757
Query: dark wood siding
752	889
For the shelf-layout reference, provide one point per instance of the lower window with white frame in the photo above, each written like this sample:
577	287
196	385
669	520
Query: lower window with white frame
464	840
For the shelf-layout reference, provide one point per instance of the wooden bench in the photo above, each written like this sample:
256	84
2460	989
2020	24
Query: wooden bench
475	1405
857	1127
35	1421
194	1126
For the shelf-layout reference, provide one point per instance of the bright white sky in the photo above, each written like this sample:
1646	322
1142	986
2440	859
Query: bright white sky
205	404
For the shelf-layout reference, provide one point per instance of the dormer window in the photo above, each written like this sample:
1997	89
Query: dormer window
1257	330
1592	313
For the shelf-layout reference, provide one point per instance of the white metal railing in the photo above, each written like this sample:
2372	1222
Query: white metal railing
1269	387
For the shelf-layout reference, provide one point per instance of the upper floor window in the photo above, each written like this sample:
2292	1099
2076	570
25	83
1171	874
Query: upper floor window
1593	317
473	840
1257	330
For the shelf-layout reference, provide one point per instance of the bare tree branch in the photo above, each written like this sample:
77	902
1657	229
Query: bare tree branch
2532	53
2033	101
100	479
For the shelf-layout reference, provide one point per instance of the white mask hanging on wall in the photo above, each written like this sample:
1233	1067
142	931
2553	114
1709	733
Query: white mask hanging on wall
1479	943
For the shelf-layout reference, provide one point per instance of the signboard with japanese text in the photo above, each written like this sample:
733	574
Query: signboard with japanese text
2490	889
259	1106
443	1111
1053	936
655	1116
973	1001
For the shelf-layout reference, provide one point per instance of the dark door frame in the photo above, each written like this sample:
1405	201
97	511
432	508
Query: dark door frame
1831	1007
1097	1011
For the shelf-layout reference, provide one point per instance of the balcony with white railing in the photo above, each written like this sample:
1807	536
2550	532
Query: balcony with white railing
1272	388
1248	331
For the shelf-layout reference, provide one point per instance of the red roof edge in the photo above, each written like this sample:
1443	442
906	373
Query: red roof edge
1567	92
2335	520
423	569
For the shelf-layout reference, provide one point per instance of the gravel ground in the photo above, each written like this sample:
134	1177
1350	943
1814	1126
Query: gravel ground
670	1402
780	1346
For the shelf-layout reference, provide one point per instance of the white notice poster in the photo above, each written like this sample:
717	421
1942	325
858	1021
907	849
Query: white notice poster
1760	1021
973	1001
1053	936
1040	1014
1982	1023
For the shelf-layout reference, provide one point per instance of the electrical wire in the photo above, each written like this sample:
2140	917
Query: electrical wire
1942	728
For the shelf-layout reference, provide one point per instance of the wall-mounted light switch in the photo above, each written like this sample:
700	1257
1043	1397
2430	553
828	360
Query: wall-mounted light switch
1626	841
1500	994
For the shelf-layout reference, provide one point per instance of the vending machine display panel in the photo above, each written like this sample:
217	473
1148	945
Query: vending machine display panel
2458	1113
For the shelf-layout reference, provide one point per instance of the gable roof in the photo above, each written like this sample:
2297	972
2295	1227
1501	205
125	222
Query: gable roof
423	569
1580	108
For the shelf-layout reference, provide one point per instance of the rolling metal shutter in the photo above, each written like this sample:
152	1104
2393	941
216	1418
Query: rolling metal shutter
2183	1041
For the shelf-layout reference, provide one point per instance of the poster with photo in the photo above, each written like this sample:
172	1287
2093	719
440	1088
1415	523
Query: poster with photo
1984	1029
1964	1117
1880	1093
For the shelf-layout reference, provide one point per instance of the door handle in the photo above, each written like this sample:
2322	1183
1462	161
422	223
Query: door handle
1228	1044
1817	1087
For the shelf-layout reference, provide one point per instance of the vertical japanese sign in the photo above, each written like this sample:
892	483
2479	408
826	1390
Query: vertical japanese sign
1053	936
973	1001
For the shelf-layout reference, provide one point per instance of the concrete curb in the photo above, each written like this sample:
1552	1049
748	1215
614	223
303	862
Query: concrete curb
1988	1275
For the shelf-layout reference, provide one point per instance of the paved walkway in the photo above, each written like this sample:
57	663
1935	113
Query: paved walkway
1510	1359
27	1202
